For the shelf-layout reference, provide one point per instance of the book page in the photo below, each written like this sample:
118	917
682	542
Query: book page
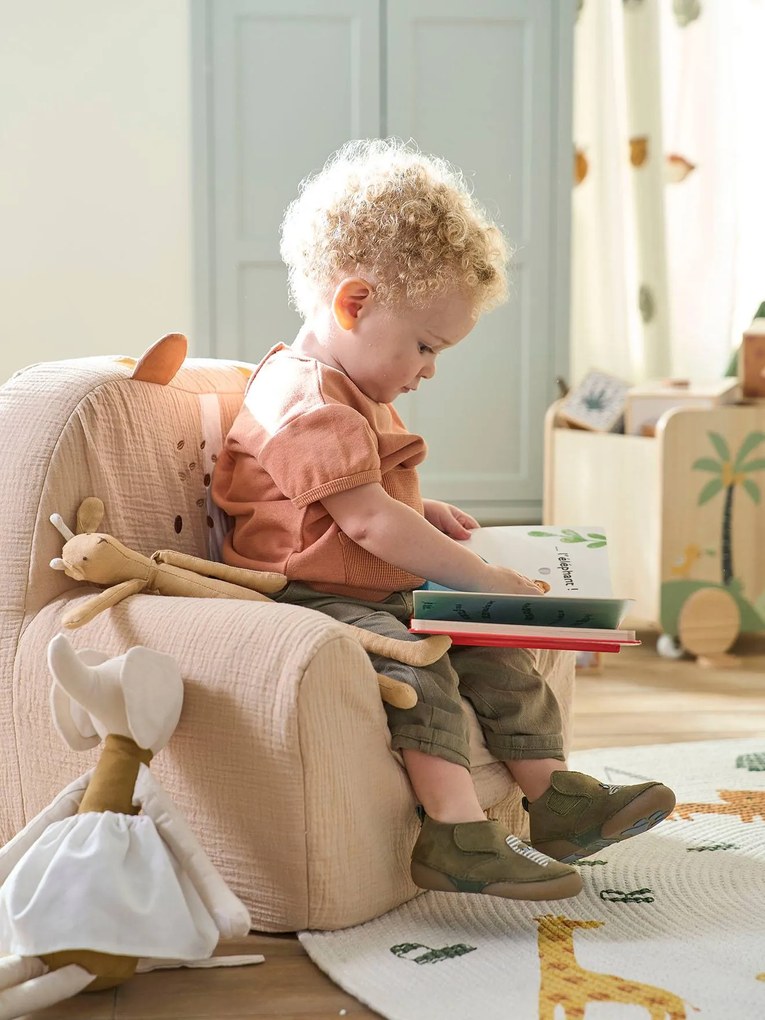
573	561
520	630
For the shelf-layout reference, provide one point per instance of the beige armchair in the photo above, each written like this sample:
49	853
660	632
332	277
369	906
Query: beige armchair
282	761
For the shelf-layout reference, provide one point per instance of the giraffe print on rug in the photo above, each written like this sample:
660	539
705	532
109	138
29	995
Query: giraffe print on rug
564	983
747	804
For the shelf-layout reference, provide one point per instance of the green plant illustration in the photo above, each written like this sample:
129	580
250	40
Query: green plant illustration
731	473
593	539
597	400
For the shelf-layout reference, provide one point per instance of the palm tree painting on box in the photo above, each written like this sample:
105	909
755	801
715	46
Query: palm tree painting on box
731	478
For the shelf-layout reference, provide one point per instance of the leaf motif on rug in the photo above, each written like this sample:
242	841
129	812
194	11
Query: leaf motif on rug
713	846
619	896
563	982
431	955
754	762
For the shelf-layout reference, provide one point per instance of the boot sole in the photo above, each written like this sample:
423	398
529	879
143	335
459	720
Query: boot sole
551	889
641	814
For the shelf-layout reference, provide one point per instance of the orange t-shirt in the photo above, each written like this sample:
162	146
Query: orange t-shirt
305	431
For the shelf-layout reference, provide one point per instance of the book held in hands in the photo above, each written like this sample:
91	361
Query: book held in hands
577	613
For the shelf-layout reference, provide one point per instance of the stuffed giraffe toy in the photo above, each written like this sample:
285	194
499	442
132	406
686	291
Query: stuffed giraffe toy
110	872
101	559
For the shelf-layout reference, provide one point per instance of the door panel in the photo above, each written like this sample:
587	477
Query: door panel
291	80
472	82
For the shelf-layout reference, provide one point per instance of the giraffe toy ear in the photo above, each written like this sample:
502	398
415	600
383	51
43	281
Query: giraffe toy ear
89	515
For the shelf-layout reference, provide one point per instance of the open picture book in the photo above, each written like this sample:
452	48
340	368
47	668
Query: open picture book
578	613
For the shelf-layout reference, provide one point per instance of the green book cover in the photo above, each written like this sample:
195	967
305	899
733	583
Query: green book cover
541	611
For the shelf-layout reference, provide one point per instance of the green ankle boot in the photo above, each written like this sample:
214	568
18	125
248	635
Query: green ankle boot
579	815
483	857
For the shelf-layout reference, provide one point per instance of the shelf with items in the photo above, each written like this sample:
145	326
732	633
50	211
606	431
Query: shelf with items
683	512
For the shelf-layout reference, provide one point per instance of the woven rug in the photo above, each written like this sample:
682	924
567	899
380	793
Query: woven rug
670	924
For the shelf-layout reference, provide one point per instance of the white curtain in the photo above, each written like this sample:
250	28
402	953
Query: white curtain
668	231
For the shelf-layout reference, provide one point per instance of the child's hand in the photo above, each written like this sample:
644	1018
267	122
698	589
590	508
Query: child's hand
510	582
450	519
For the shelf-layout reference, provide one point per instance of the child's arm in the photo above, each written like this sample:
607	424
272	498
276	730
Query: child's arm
399	535
447	518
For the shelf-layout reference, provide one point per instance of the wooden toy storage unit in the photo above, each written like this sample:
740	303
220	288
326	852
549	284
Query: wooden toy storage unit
685	518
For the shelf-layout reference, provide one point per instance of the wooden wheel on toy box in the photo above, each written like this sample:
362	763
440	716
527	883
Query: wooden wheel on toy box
708	624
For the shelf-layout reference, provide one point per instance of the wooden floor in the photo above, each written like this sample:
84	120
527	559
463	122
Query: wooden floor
637	699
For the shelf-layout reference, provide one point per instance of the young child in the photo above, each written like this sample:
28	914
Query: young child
391	262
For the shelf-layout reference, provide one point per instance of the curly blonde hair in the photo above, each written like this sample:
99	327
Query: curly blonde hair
407	220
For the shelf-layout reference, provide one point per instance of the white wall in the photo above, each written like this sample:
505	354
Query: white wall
95	206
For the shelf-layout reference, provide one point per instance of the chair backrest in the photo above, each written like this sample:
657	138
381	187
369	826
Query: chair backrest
72	429
84	427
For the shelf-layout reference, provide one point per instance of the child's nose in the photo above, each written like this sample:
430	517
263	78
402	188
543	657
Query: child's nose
428	371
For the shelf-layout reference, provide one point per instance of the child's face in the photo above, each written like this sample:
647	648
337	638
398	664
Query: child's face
389	351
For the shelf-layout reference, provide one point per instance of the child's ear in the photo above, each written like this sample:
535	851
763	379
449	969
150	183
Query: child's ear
350	299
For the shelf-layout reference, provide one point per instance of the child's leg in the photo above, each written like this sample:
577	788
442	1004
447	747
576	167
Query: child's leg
445	790
534	775
571	815
433	735
458	849
517	710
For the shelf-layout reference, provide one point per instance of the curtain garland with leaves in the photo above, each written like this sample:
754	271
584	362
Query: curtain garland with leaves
668	211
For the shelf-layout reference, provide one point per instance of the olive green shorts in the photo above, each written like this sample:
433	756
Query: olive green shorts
517	710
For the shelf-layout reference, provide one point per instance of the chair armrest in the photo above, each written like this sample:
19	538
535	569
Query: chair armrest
281	762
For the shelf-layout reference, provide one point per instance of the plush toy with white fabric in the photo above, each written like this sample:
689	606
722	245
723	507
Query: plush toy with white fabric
109	872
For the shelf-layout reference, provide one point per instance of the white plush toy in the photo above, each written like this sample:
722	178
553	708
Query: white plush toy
91	885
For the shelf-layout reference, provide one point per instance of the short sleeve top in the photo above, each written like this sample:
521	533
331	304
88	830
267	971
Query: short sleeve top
306	431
